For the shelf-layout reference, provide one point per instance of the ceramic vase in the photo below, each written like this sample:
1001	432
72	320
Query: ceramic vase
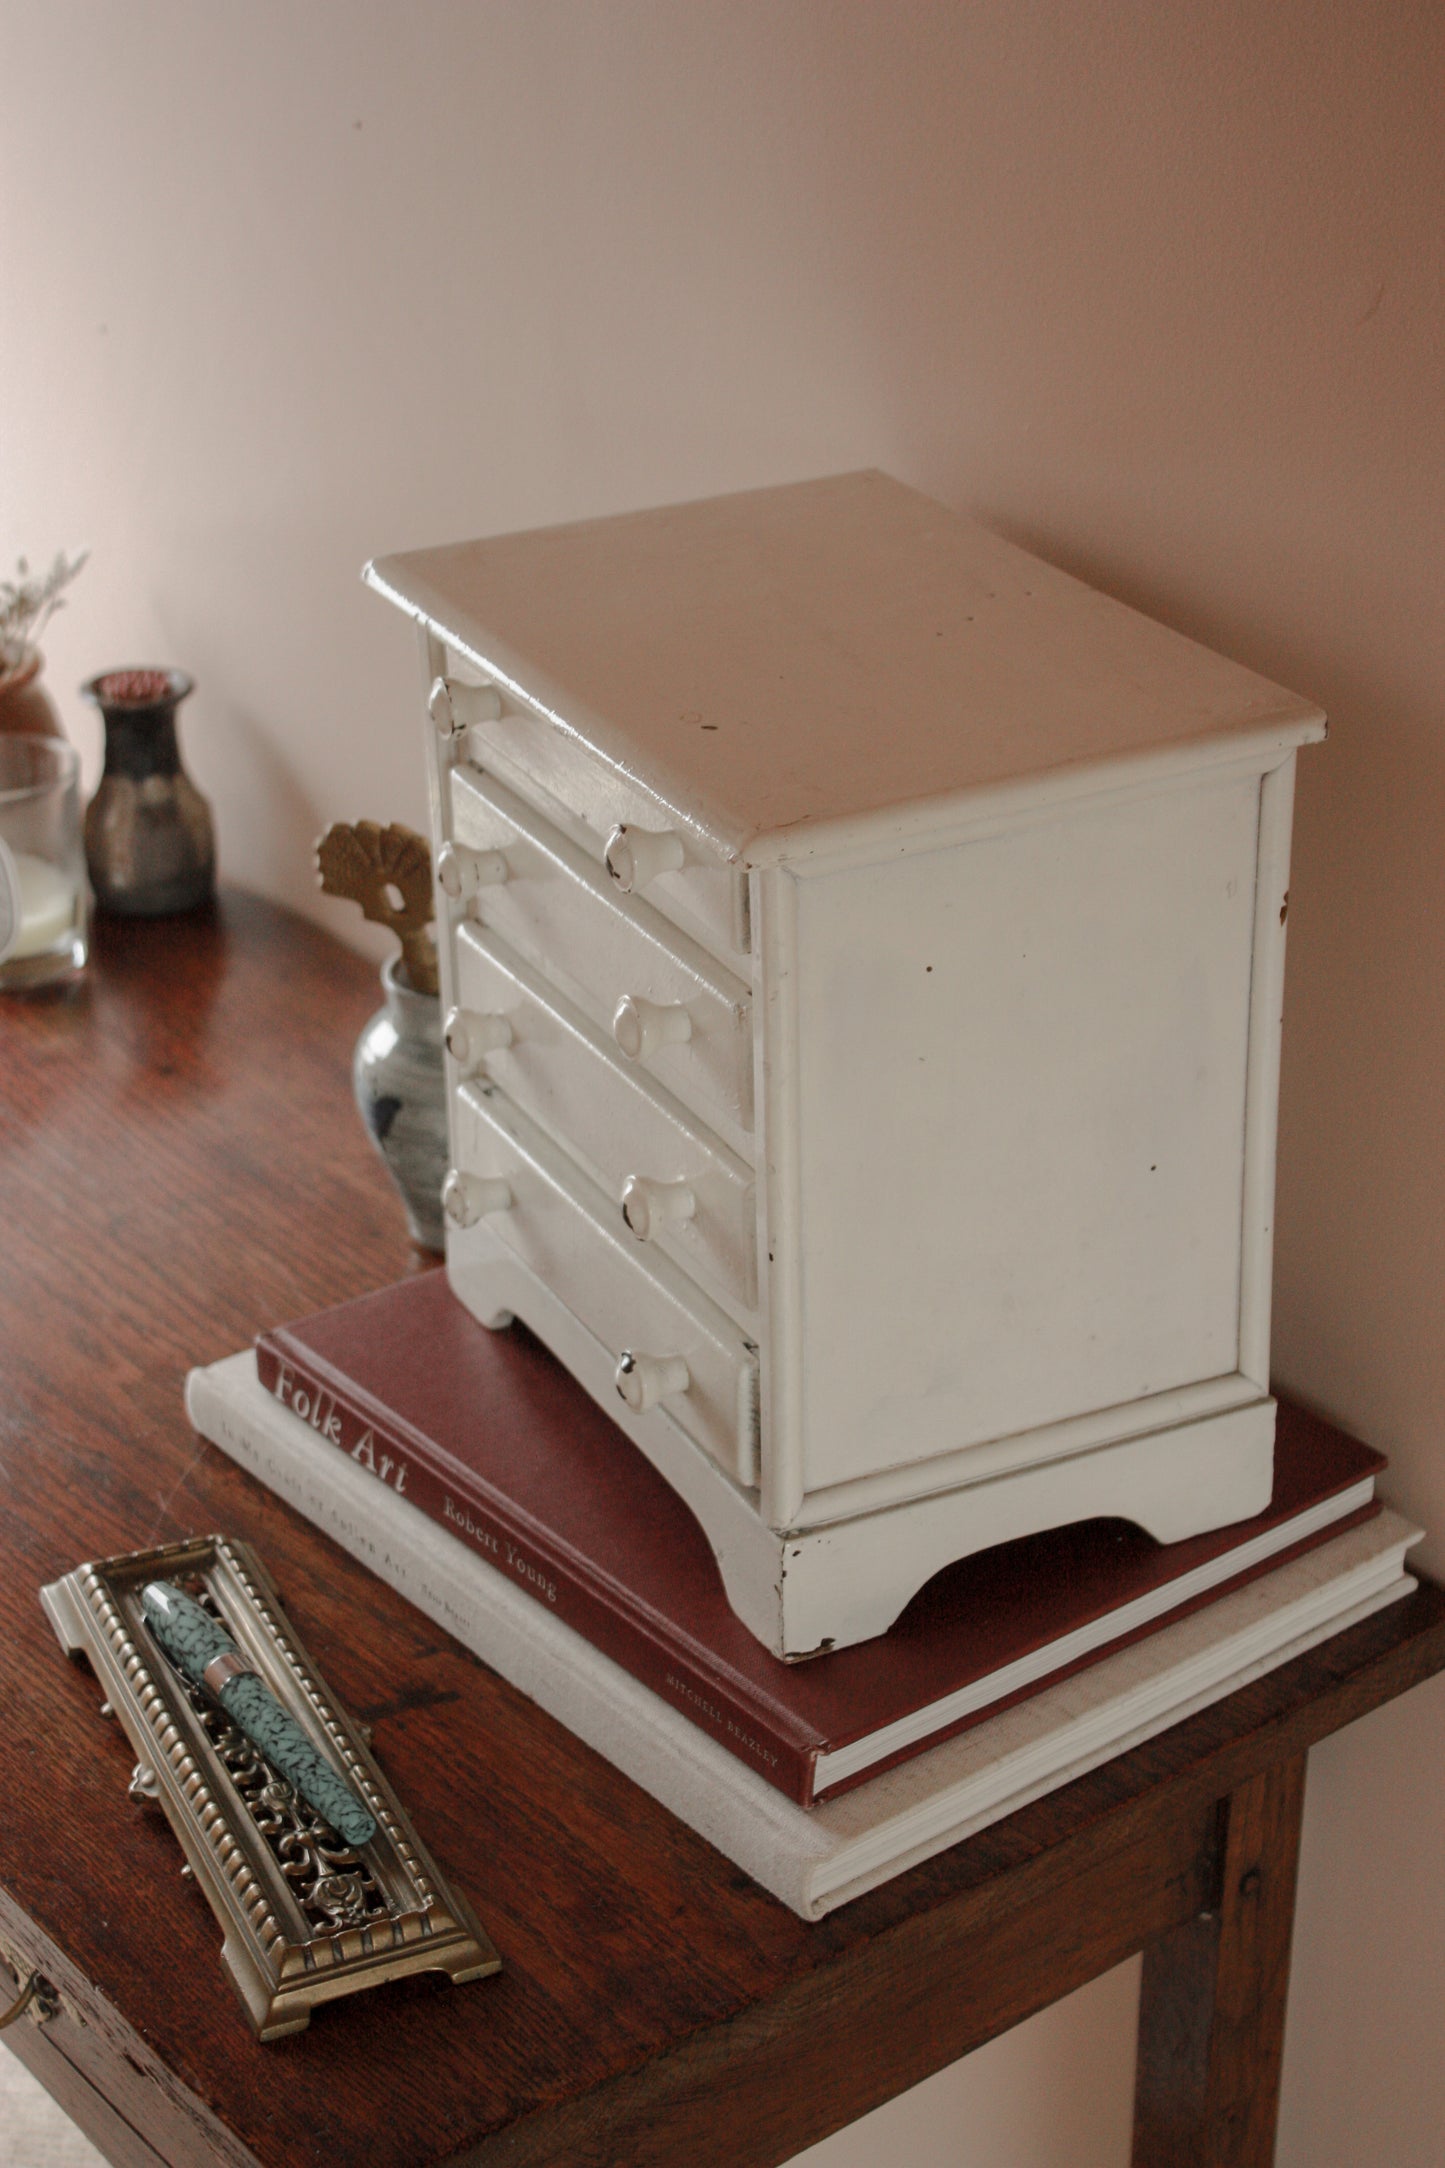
149	842
25	705
399	1082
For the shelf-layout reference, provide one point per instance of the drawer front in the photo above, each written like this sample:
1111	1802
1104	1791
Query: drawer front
705	895
558	1224
605	949
559	1068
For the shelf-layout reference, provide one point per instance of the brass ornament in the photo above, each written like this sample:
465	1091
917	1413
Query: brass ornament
37	1996
388	872
304	1916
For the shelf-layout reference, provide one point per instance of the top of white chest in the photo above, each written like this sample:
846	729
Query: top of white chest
787	666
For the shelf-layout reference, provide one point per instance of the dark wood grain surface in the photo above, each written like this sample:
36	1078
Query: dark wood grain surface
180	1165
1212	2002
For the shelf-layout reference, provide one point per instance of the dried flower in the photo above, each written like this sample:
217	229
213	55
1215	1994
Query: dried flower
134	688
27	604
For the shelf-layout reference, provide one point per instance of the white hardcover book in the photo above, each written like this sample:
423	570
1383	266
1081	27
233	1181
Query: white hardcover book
812	1858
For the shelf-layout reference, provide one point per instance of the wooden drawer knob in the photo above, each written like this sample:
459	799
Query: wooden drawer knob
469	1036
644	1380
649	1207
641	1027
466	1198
636	856
462	872
454	707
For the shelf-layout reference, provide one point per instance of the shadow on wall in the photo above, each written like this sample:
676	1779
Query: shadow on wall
259	792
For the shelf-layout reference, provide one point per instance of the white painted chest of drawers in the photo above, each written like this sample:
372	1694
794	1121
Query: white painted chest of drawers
863	949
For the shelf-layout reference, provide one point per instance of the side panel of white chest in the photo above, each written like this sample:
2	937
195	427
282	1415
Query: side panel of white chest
1007	1087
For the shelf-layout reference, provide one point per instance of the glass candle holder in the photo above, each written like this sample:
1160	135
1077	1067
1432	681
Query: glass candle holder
42	864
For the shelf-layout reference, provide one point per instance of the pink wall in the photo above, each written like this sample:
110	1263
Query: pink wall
1156	289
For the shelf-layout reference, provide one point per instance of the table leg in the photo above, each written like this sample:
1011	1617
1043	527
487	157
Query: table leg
1211	2014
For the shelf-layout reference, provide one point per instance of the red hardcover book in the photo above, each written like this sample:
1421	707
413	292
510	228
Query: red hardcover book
488	1434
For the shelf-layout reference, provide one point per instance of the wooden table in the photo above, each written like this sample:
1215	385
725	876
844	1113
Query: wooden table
179	1165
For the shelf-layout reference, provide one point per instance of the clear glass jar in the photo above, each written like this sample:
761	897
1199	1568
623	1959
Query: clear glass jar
43	900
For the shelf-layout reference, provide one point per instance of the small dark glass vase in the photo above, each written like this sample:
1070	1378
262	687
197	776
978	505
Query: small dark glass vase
149	843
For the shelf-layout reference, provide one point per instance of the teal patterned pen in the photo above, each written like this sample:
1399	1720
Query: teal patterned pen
209	1657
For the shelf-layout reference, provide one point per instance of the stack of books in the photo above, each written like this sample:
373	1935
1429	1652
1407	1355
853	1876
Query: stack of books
470	1471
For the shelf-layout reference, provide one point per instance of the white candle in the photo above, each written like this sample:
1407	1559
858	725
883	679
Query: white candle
48	901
